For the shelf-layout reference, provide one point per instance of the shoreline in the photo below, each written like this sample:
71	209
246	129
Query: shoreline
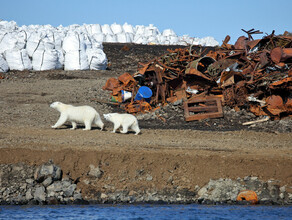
160	164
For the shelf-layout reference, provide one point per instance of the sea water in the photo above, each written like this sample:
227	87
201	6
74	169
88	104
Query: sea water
145	212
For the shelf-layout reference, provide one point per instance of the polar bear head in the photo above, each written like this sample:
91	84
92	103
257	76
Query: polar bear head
56	105
107	116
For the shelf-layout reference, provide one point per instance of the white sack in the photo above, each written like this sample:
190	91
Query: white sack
99	37
18	59
8	42
58	40
106	29
151	30
76	60
97	59
168	32
96	44
128	28
3	65
123	38
140	39
61	60
8	25
74	41
110	38
96	29
33	42
140	29
117	28
44	60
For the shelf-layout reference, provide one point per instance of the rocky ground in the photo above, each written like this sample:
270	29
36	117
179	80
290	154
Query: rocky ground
170	161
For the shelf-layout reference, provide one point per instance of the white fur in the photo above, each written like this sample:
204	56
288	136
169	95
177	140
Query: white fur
124	120
77	114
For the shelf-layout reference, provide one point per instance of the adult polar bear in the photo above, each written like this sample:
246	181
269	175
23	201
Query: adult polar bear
77	114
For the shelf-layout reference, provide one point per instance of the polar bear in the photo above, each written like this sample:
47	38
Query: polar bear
124	120
77	114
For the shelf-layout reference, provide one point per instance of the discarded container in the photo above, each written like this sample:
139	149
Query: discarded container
248	195
144	92
126	95
114	99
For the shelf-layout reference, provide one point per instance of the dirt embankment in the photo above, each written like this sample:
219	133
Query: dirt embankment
156	159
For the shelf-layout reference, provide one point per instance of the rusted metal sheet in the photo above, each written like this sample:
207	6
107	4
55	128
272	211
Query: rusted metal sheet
111	83
279	54
138	106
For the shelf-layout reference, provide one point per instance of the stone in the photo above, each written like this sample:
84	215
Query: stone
77	196
103	196
86	181
29	181
202	191
149	177
47	181
65	184
28	195
95	171
56	187
170	180
47	170
40	194
70	190
51	194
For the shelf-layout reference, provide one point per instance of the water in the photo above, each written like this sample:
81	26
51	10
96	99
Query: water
145	212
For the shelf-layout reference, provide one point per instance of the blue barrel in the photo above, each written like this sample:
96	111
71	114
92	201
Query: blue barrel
144	92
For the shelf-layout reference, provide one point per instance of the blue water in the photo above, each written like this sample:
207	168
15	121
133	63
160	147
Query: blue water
145	212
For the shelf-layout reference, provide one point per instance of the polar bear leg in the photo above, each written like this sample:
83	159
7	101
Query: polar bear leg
116	126
99	123
61	121
87	125
74	125
125	129
135	127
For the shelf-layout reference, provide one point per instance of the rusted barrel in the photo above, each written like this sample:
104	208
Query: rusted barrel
247	195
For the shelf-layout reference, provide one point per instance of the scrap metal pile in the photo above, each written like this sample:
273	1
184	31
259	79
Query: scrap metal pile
252	74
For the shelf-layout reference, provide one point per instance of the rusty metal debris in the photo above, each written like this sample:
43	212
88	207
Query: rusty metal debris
251	74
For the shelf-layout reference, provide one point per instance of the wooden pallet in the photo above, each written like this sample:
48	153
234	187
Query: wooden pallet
203	107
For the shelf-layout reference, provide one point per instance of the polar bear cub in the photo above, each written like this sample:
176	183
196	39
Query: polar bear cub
77	114
124	120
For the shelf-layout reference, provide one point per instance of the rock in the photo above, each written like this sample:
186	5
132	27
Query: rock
51	194
221	190
47	170
29	181
170	180
77	196
149	177
95	171
55	187
39	194
86	181
28	195
47	181
202	192
103	196
69	190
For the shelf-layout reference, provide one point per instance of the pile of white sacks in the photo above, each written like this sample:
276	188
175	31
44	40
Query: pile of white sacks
76	47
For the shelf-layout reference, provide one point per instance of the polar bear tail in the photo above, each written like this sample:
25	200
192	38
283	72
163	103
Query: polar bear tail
98	121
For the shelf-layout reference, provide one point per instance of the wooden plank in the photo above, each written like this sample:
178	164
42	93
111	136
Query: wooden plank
203	109
203	116
210	107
